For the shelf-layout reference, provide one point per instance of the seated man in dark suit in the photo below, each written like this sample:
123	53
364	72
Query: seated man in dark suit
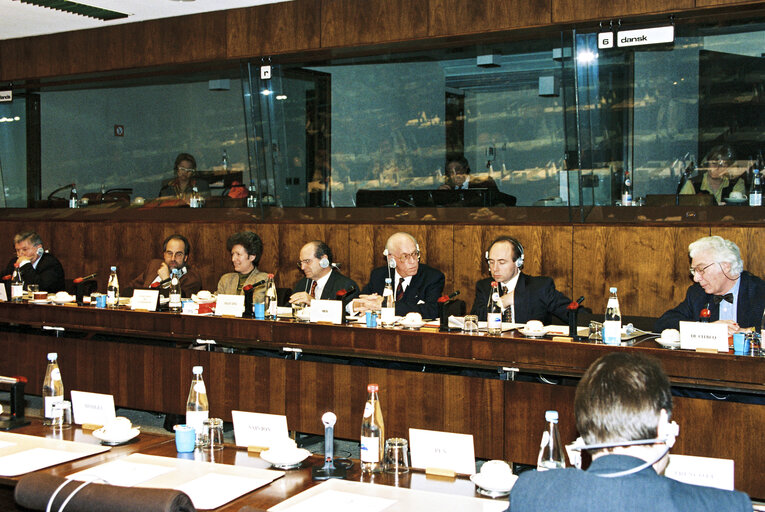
322	278
416	286
524	297
732	295
36	265
175	255
623	404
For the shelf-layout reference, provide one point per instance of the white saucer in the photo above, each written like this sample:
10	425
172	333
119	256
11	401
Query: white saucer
293	461
492	489
733	200
668	344
39	301
61	301
196	299
532	334
108	440
413	325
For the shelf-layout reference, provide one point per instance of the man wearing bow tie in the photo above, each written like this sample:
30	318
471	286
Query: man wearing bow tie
733	296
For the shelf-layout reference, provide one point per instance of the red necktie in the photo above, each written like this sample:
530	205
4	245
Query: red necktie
400	289
313	289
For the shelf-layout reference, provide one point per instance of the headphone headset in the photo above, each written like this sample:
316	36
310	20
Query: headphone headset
517	249
40	251
323	262
391	261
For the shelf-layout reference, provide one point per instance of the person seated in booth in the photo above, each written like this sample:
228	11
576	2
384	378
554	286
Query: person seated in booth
175	255
523	297
720	178
182	186
416	286
457	176
246	248
732	295
322	279
623	399
36	266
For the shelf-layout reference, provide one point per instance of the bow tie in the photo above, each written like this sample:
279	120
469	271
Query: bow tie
720	298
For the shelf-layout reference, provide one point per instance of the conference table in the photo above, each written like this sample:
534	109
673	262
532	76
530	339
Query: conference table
496	388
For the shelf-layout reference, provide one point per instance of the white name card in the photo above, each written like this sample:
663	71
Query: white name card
145	300
704	471
6	96
643	36
92	408
698	335
256	429
229	305
326	311
442	450
3	295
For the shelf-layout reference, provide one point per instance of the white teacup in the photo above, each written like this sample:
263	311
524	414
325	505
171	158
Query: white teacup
670	335
117	428
412	319
496	473
737	195
282	449
63	296
534	326
204	295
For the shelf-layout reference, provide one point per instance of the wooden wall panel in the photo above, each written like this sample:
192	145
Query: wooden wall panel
649	266
455	17
273	28
577	10
354	22
749	241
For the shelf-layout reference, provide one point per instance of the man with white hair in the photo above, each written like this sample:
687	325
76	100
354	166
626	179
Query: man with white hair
732	295
416	286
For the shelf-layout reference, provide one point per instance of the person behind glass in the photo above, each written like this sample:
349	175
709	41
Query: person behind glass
246	248
733	296
322	278
523	297
718	180
457	176
416	286
182	185
36	266
623	399
175	253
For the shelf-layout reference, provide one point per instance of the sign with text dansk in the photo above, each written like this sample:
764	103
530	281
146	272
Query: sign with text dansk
6	96
638	37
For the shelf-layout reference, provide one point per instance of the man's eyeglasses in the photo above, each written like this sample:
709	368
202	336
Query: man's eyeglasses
306	262
699	271
186	169
405	257
174	255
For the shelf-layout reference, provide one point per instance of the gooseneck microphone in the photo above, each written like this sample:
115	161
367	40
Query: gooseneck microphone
342	294
78	280
446	298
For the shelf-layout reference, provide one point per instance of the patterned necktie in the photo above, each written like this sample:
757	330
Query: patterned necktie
313	289
720	298
400	289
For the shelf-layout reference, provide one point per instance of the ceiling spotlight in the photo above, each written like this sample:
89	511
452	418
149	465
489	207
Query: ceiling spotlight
266	92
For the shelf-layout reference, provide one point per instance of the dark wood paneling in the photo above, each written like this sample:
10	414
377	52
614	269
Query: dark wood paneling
456	17
576	10
273	28
749	241
353	22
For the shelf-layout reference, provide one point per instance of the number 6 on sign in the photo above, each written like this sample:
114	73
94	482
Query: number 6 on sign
605	40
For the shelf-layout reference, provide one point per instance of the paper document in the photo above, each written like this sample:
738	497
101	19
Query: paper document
121	472
31	460
214	490
340	501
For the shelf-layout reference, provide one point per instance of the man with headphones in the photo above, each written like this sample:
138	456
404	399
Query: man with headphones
623	406
36	265
733	296
175	255
523	297
416	286
322	278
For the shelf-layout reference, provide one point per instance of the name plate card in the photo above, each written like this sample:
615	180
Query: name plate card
702	336
92	408
145	300
705	471
256	429
3	295
330	311
229	305
442	450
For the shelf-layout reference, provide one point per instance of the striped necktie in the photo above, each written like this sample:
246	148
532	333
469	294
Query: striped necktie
313	289
400	289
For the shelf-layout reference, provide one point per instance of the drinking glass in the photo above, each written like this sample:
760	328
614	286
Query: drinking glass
213	427
396	455
471	324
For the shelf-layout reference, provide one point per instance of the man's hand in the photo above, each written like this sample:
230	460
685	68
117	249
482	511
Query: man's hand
733	327
164	271
365	303
301	298
508	300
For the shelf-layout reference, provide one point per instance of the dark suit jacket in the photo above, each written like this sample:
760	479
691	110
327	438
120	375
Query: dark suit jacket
573	490
427	285
335	283
751	303
49	273
535	299
190	282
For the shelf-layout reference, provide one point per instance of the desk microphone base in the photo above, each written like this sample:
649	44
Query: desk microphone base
12	423
325	473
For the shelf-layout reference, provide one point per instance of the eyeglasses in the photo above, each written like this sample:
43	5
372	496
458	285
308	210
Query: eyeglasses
186	169
700	271
308	261
174	255
405	257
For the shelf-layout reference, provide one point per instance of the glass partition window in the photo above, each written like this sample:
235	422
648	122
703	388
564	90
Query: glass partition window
13	166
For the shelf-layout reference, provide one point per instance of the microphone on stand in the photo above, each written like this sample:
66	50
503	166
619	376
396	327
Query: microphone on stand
343	296
446	298
7	277
79	291
573	311
443	303
78	280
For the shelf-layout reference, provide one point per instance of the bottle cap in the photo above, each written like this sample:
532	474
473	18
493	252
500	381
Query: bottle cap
52	356
270	276
387	280
114	268
372	388
175	271
612	289
16	265
197	370
493	284
551	416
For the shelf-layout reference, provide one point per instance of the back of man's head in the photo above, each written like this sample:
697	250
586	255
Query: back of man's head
619	399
